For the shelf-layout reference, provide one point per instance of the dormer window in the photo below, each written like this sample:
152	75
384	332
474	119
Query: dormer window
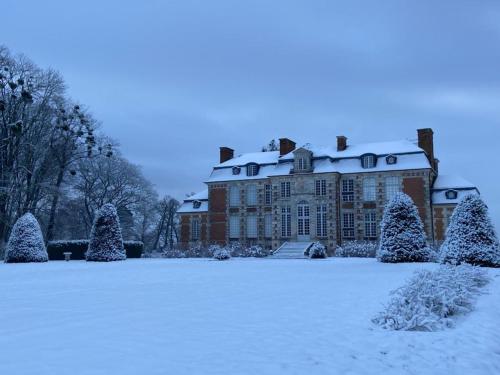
252	169
451	194
302	161
196	204
368	161
391	160
302	164
236	171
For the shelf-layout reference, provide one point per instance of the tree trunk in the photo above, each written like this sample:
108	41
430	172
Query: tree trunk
55	202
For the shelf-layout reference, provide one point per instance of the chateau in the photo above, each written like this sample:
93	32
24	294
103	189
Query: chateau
331	194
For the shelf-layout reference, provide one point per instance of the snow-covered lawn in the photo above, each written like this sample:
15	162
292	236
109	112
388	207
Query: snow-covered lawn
249	316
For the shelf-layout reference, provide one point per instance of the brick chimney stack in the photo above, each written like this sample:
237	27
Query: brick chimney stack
226	154
341	143
426	143
286	146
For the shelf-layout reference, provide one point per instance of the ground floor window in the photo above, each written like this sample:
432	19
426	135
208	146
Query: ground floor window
321	225
234	227
252	226
268	226
286	221
195	229
370	225
348	225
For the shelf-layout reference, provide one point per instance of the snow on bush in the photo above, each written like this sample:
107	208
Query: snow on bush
430	299
26	242
357	249
317	251
106	242
257	251
471	237
220	253
402	233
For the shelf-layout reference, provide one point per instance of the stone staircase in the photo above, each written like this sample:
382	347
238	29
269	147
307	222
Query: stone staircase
292	250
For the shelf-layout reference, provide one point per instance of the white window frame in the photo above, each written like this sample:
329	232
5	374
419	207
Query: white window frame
370	225
348	225
195	229
268	194
251	195
321	220
369	189
234	196
368	161
252	227
392	186
268	226
234	227
286	221
348	190
285	189
252	170
321	188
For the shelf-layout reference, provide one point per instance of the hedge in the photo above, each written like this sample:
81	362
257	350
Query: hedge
56	249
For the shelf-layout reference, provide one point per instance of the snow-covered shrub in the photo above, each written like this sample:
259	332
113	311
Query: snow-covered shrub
402	233
106	242
171	253
316	251
471	237
257	251
357	249
220	253
78	249
26	242
197	250
430	298
237	250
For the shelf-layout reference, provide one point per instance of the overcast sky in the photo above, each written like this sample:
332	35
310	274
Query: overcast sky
174	80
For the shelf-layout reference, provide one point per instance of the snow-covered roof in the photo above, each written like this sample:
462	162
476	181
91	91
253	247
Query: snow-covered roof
326	159
188	205
445	183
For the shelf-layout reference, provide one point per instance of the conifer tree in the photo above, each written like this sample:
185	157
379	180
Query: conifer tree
26	242
402	233
106	242
471	237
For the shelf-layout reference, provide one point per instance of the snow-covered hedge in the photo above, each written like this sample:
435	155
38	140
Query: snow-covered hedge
357	249
471	237
26	242
430	299
106	242
402	233
220	253
78	249
236	250
316	251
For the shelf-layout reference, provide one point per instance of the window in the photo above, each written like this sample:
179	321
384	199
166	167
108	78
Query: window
196	204
320	187
251	226
348	225
195	229
234	196
236	170
268	194
252	195
348	190
234	227
368	161
391	159
451	194
285	189
286	222
321	220
268	226
302	164
392	187
252	169
369	189
303	222
370	225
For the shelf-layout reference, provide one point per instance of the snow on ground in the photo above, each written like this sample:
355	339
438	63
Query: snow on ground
249	316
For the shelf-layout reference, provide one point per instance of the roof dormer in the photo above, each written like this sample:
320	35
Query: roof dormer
302	161
368	161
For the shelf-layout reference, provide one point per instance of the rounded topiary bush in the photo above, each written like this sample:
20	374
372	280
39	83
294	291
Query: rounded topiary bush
402	233
471	237
317	251
106	242
26	242
220	253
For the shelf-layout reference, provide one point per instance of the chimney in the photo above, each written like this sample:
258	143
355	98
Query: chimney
426	143
286	146
341	143
226	154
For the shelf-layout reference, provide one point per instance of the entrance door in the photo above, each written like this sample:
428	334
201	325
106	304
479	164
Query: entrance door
303	227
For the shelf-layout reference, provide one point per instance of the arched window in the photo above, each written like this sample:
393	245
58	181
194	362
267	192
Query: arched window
368	161
252	169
